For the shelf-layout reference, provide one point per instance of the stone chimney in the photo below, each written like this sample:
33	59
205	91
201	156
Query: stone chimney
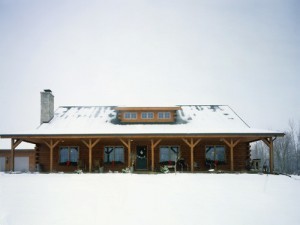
47	106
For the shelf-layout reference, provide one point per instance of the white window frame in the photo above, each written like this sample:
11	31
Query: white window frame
147	115
164	115
130	115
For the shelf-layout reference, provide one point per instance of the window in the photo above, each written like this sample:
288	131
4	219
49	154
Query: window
113	154
168	154
68	156
130	115
147	115
215	154
164	115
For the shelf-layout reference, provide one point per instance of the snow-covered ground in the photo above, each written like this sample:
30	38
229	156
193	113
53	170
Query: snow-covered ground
186	199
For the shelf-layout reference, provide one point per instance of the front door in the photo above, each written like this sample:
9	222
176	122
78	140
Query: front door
141	157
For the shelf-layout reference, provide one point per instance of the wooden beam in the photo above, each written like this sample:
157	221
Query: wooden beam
51	146
197	142
266	141
85	143
269	142
231	144
12	156
95	142
153	146
271	155
128	146
16	142
90	145
187	142
192	145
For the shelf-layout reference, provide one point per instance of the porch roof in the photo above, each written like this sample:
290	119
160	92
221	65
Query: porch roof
102	120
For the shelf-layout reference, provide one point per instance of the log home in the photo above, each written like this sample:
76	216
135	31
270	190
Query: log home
198	137
24	160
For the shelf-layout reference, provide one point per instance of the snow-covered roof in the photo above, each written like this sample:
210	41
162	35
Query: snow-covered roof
102	120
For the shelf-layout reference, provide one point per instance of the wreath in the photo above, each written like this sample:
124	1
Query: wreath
141	154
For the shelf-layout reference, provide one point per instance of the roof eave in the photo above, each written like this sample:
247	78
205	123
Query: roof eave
271	134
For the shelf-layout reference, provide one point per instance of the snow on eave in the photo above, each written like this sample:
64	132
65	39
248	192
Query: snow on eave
256	133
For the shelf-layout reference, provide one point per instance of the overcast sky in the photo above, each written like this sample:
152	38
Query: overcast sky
245	54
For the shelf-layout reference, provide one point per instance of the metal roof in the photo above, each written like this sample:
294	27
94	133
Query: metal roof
102	120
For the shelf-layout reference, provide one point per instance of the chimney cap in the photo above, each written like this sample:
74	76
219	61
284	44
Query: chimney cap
47	90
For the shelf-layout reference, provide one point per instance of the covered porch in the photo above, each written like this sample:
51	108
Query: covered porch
68	153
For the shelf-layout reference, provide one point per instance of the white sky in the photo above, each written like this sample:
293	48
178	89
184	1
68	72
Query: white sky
241	53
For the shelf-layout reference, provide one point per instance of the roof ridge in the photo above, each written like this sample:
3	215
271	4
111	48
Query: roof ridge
238	116
70	106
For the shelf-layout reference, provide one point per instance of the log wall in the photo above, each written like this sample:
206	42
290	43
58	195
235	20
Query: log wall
241	154
19	153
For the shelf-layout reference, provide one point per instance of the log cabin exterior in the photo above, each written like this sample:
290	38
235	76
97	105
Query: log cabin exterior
24	157
20	155
112	138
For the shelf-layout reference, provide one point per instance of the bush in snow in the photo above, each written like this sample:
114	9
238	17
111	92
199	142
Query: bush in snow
126	170
78	171
164	169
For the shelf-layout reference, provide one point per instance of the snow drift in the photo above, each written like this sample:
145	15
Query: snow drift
76	199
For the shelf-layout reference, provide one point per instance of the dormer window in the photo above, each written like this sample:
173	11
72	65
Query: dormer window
130	115
164	115
147	115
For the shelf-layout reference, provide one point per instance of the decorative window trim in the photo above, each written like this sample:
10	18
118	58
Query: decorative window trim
68	159
147	115
130	115
111	157
163	115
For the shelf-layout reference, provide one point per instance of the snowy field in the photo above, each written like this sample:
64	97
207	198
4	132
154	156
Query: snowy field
186	199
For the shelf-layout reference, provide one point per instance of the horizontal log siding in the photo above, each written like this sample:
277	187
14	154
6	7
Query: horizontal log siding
241	154
44	157
19	153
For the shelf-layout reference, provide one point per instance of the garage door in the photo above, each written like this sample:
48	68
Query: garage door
2	164
22	164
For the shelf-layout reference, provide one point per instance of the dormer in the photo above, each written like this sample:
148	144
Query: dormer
147	115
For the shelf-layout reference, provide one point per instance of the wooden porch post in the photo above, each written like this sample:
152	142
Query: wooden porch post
90	145
231	145
271	156
192	145
269	142
51	146
14	144
153	146
128	146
